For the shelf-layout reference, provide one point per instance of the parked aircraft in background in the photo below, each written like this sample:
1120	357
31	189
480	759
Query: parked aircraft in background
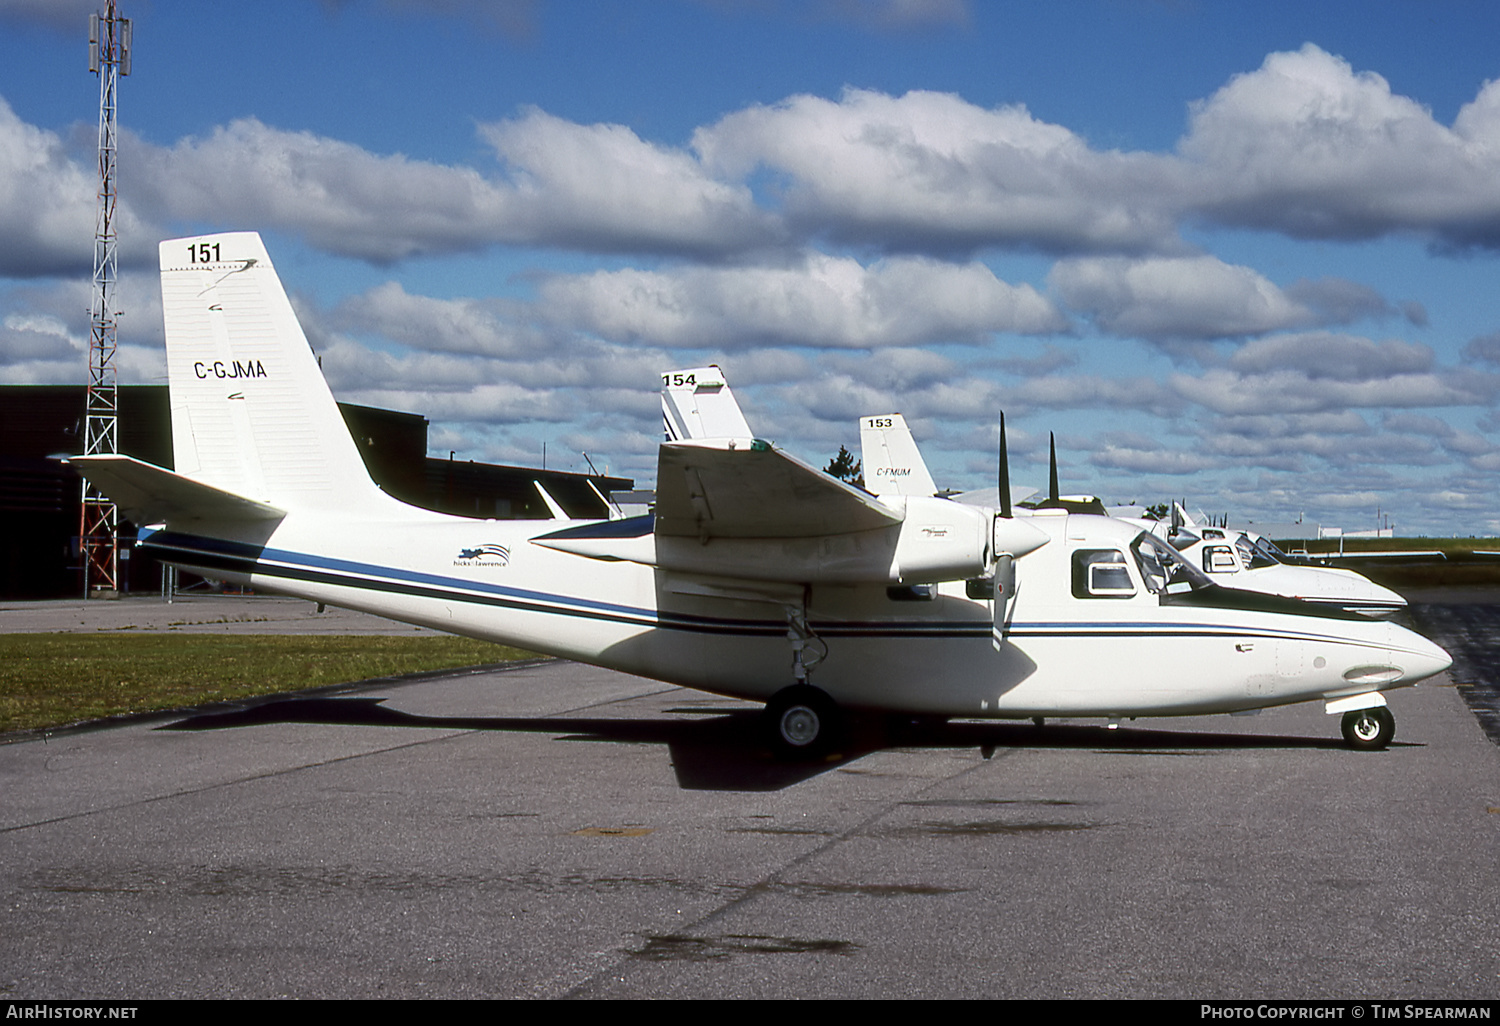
1243	559
1237	559
757	576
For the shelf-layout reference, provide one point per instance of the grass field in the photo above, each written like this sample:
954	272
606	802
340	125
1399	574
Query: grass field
1465	562
1450	546
54	679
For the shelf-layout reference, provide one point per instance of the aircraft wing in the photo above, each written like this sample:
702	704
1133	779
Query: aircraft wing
745	488
148	494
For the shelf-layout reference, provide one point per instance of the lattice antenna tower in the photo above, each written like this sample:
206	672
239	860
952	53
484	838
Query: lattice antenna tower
109	58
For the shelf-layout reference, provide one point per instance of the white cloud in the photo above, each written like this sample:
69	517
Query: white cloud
1152	460
1088	391
47	203
930	171
601	187
1322	355
595	187
450	325
1308	147
1197	297
1293	391
825	302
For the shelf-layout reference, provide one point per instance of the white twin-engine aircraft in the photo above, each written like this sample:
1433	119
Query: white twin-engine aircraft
1243	559
1236	559
758	576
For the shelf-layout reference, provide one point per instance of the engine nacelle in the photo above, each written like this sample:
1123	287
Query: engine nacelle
940	540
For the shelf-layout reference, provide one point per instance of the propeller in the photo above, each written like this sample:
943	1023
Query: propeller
1073	504
1054	500
1004	571
1004	475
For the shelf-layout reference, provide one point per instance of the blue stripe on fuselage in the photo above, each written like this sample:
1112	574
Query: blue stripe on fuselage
239	557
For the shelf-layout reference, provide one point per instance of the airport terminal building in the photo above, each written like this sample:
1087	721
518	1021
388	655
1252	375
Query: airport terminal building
40	496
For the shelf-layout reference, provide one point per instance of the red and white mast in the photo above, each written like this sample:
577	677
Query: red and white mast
109	58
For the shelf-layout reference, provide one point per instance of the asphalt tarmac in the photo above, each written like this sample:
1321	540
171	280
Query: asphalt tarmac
560	831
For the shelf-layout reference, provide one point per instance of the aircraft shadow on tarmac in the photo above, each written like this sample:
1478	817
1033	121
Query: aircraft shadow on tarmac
719	751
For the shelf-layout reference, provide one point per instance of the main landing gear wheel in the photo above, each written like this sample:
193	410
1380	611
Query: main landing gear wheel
803	721
1368	730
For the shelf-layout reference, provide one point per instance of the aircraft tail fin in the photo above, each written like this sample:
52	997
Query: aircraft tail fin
251	412
892	463
697	403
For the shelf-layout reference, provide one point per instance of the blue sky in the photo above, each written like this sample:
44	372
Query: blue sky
1239	253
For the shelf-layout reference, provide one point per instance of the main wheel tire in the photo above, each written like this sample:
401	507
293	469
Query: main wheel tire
1369	730
803	721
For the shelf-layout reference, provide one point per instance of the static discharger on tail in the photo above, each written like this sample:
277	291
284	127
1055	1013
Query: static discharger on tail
756	576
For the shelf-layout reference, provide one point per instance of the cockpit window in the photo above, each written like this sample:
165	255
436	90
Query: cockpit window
1267	554
1101	573
1255	554
1164	569
1246	549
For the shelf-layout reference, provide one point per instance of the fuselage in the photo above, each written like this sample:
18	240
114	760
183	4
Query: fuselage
1090	632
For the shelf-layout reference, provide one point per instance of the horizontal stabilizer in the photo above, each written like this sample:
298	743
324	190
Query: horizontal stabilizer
148	494
745	488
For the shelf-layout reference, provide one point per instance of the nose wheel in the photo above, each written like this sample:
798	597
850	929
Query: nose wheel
1369	730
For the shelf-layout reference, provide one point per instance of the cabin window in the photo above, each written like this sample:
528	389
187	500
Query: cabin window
1101	573
1218	559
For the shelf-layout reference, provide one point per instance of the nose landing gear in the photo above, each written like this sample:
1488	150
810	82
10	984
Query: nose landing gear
1369	730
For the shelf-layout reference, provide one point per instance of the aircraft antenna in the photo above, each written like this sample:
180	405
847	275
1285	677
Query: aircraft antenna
109	58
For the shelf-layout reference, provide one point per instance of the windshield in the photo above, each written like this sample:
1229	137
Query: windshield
1255	554
1271	550
1164	569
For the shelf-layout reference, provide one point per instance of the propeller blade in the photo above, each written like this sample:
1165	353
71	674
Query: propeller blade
1005	590
1052	495
1005	510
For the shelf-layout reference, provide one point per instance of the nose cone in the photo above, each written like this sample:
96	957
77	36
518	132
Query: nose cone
1417	657
1376	600
1360	594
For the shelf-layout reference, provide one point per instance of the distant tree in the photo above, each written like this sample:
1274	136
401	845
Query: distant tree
846	468
1157	511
